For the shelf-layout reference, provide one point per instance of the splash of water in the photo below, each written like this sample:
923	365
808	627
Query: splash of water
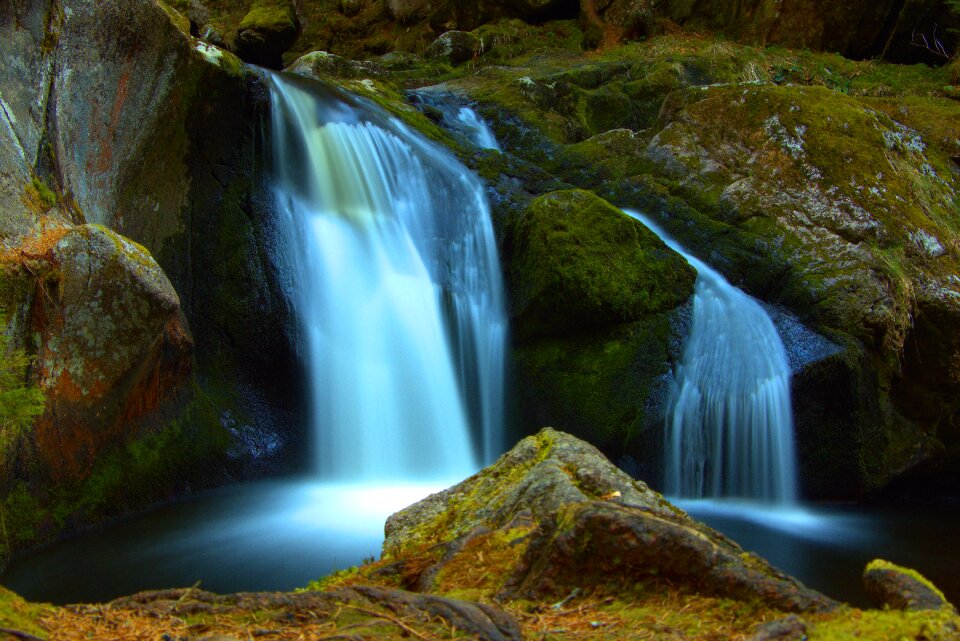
394	275
730	424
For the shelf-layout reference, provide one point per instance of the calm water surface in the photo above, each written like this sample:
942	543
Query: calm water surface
251	537
827	547
281	535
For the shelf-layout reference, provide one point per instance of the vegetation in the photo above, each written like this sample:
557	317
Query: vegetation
20	400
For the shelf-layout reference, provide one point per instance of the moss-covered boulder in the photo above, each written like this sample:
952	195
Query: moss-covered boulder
114	359
892	586
576	521
267	31
577	263
455	47
112	347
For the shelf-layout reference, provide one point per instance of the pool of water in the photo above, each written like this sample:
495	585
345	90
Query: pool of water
827	547
250	537
281	535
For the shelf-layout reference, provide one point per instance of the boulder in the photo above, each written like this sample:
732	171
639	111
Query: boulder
575	521
598	310
891	586
578	263
116	116
267	31
455	47
112	346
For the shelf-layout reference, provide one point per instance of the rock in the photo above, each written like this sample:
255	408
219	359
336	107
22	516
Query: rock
351	8
455	47
791	628
320	64
583	523
598	310
577	262
113	349
892	586
764	182
587	544
146	131
267	31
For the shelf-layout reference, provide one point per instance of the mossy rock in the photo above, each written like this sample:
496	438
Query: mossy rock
267	31
610	387
576	262
893	586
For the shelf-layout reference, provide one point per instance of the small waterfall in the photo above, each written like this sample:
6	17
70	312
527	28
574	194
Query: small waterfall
393	270
459	119
729	426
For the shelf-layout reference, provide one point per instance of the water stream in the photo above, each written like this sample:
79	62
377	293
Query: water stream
729	428
395	276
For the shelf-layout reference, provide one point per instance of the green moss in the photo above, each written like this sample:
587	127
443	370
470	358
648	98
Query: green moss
881	564
270	15
577	262
17	614
598	386
886	625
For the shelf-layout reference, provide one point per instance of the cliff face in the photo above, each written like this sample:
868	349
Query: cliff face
134	267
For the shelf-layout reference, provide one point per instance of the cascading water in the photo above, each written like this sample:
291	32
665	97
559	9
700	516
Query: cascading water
395	277
730	425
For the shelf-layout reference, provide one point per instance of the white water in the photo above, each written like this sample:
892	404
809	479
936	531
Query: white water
395	277
729	428
475	129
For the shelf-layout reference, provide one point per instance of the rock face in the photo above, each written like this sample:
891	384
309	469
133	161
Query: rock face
831	200
116	117
576	521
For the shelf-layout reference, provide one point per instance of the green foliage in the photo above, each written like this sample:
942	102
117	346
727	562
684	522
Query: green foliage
20	401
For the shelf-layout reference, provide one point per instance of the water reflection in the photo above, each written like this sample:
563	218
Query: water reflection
263	536
827	547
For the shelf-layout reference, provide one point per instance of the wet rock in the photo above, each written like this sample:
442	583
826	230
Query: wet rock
900	588
267	31
320	64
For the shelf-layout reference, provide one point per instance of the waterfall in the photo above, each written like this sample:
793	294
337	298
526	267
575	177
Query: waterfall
729	427
392	268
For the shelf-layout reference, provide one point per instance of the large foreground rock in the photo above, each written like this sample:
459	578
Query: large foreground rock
576	522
